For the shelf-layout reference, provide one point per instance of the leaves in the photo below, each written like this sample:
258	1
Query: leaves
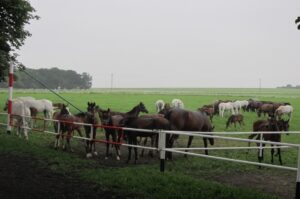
14	14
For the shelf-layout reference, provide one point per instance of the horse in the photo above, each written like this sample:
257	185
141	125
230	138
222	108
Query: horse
185	120
20	116
224	106
177	103
90	118
66	124
267	108
253	105
42	105
234	119
209	110
286	109
269	125
114	119
159	105
153	138
240	104
143	123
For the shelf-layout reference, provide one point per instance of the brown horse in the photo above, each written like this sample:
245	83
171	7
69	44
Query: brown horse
269	125
184	120
143	123
234	119
66	125
114	119
154	137
267	108
209	110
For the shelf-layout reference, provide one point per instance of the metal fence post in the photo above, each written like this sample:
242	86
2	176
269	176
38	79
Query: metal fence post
261	147
161	148
298	177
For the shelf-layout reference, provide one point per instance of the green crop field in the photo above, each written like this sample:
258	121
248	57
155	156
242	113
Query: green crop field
184	177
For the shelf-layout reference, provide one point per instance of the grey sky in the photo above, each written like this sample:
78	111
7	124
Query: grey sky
168	43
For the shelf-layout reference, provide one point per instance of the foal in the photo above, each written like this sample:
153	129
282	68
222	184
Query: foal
234	119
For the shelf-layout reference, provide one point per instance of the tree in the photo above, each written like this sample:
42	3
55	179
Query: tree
14	15
297	22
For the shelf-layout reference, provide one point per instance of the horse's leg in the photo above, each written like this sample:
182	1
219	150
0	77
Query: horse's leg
88	143
279	155
153	138
120	135
189	144
129	149
93	142
69	136
205	145
272	154
135	150
107	144
145	142
114	138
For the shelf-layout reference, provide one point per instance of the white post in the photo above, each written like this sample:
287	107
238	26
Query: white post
298	177
161	148
260	146
10	96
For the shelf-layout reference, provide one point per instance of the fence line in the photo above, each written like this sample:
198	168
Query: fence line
163	149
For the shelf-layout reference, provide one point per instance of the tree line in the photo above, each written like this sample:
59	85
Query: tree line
53	78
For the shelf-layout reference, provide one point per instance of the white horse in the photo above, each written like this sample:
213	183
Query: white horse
25	98
226	106
239	104
20	116
285	109
159	105
177	103
45	106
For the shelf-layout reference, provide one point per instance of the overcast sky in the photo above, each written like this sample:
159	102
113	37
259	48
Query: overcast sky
168	43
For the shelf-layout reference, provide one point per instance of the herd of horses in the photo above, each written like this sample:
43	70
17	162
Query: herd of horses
168	117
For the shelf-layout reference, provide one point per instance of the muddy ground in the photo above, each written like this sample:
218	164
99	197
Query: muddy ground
23	177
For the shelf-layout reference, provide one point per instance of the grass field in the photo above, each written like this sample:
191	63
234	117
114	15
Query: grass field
184	178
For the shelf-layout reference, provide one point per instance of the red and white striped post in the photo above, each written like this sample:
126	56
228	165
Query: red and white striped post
10	95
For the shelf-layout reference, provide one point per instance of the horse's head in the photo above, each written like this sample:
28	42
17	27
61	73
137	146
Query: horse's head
64	110
143	108
91	107
106	116
283	125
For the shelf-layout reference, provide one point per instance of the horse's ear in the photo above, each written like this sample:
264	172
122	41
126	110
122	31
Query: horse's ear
108	110
88	103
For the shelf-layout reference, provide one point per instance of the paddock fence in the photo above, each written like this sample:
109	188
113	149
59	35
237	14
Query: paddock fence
162	148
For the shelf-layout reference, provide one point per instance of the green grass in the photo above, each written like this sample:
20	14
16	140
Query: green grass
184	178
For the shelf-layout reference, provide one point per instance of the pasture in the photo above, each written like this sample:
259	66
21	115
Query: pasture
184	177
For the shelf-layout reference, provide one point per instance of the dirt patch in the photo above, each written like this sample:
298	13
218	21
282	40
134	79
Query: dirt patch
280	184
23	177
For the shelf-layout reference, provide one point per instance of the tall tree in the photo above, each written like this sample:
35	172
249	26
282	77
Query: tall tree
298	22
14	15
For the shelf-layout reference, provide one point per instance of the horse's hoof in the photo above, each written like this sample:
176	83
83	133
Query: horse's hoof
89	155
118	158
95	153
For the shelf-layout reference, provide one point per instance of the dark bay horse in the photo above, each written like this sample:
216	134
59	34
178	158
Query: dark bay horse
114	119
184	120
143	123
269	125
